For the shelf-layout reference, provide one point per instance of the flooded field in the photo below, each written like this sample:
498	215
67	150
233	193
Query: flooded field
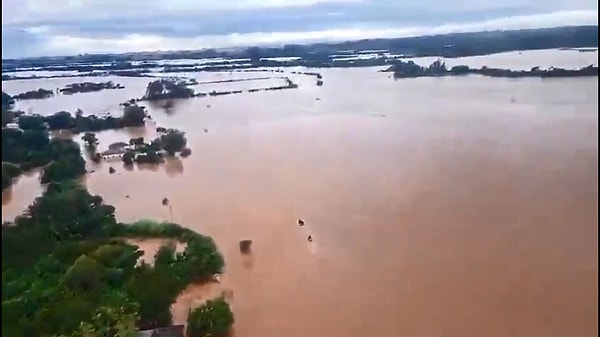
437	206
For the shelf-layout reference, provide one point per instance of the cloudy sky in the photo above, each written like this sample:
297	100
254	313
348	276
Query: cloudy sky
67	27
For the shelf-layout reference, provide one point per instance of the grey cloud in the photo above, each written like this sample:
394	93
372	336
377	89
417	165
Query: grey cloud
30	27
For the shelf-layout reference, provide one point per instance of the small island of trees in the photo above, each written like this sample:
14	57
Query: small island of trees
81	87
34	94
409	69
168	89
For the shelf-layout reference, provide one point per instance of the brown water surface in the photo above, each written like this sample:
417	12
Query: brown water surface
438	207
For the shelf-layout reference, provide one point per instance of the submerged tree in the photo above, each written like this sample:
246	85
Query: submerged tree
90	141
134	115
173	141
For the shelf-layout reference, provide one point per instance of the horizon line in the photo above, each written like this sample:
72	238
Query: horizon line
300	43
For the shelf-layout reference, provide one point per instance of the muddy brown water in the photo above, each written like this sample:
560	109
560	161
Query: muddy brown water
438	207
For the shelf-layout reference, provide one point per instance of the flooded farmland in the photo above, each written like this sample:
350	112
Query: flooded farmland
437	206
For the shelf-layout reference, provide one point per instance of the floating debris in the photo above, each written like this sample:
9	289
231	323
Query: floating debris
310	239
111	170
245	246
165	202
300	222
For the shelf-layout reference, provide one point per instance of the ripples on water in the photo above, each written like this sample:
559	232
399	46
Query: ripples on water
439	207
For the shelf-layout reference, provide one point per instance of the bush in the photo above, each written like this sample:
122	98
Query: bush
214	319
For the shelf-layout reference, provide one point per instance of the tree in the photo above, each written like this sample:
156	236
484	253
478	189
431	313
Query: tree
167	88
61	120
90	140
133	115
129	157
116	316
85	275
202	258
212	319
155	290
119	255
165	255
32	122
66	168
173	141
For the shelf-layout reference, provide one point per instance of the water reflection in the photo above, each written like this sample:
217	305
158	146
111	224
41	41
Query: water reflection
173	166
148	167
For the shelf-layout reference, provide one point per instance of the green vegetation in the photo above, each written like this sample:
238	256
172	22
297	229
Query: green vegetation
30	148
76	276
173	141
64	168
133	116
213	319
34	94
168	89
75	88
409	69
90	141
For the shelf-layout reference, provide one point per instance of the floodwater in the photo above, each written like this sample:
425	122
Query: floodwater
437	207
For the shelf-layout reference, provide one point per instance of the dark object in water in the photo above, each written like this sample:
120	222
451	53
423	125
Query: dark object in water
117	146
165	201
245	246
300	222
111	170
186	152
309	238
205	130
